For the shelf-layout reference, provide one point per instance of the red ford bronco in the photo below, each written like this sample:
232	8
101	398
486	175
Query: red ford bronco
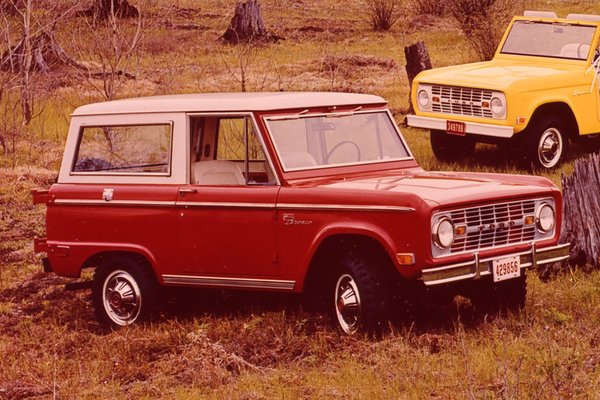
289	192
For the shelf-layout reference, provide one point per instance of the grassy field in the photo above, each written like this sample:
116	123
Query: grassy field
247	346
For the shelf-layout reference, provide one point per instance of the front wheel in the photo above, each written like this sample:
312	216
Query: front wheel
122	292
360	297
451	148
548	143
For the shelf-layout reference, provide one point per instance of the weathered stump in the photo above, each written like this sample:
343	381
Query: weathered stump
46	53
247	24
102	9
417	60
581	211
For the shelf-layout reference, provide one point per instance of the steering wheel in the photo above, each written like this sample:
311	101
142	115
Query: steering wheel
579	55
340	144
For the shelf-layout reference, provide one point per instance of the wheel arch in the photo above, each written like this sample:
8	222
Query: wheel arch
560	109
334	246
102	258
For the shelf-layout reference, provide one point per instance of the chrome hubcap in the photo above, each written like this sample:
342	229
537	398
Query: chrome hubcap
121	297
550	147
347	304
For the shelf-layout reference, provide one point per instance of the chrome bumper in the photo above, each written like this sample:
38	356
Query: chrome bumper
476	268
475	128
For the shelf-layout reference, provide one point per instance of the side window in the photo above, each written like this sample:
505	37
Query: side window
125	149
223	160
230	141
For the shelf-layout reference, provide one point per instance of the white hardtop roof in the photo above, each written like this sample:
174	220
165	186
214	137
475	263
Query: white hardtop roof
227	102
594	19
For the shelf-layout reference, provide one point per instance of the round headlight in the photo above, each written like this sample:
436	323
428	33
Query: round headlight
545	218
423	98
497	106
443	232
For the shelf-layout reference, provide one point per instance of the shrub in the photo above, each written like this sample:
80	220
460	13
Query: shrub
432	7
484	21
383	13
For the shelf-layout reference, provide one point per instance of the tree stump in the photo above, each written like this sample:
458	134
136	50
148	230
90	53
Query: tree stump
46	54
581	211
102	9
247	24
417	60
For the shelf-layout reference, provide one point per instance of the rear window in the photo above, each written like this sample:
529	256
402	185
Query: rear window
125	150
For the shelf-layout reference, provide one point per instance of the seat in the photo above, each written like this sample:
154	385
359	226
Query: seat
217	172
297	159
575	50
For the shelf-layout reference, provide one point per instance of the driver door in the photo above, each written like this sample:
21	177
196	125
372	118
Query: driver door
227	214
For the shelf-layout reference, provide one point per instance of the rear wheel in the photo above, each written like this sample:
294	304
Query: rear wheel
123	292
450	148
360	299
488	297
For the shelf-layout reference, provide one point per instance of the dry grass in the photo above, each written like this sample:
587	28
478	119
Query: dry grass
249	346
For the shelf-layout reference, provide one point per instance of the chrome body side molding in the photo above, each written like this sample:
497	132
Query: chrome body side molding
228	282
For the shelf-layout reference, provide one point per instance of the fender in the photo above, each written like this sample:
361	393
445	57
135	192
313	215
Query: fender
69	258
364	229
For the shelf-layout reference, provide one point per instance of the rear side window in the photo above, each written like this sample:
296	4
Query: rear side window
125	149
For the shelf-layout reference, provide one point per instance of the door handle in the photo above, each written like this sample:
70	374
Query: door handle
183	192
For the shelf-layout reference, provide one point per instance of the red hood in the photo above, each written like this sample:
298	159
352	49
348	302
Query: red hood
443	188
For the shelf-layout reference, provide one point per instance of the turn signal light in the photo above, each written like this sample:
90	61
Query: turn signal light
529	220
460	230
521	120
405	258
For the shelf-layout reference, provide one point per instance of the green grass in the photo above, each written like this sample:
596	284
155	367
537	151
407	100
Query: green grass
250	346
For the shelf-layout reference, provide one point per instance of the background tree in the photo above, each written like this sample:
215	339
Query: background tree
483	22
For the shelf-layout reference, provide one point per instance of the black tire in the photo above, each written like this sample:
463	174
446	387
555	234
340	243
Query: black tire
547	143
361	298
123	292
451	148
488	297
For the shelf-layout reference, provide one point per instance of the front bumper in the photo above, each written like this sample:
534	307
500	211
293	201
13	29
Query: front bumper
476	268
475	128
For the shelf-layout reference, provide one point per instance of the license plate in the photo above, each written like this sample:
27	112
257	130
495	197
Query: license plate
506	268
455	128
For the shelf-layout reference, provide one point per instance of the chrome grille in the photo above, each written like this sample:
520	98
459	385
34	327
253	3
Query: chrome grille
461	101
493	225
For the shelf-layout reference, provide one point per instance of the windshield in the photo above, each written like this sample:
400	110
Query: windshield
336	140
545	39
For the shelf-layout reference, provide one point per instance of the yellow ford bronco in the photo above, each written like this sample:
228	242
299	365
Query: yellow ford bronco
538	93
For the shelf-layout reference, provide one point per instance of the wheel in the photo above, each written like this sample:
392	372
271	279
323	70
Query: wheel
361	297
488	297
547	143
339	145
451	148
122	292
